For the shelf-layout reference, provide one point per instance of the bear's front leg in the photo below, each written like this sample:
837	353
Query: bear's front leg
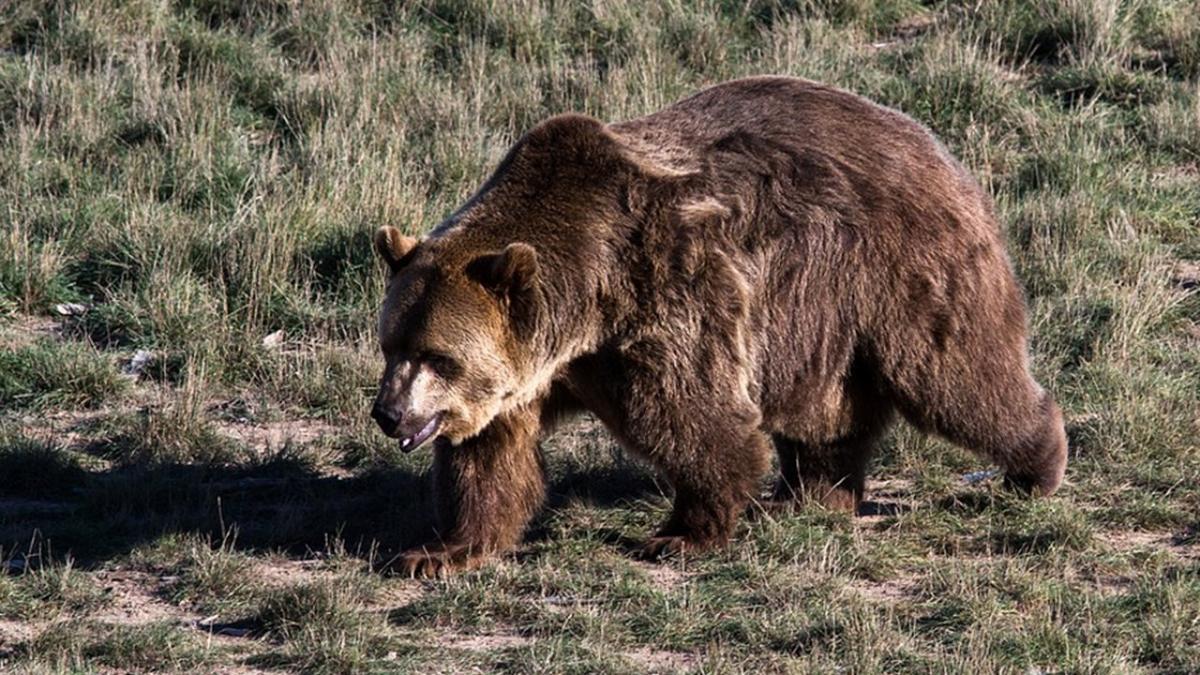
704	437
487	490
682	402
713	484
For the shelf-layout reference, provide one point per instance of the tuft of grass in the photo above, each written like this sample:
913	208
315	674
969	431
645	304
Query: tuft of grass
207	577
49	592
77	645
1035	528
323	625
173	433
331	383
1169	30
1055	30
31	273
36	468
69	375
176	430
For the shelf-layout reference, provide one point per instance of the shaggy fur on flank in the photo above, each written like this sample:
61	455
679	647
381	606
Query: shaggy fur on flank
769	265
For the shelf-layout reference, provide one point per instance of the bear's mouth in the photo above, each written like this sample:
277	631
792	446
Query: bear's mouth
410	443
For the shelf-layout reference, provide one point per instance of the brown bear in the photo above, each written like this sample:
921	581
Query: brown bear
770	262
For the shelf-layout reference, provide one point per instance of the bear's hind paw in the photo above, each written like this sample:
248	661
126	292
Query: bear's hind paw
433	562
664	547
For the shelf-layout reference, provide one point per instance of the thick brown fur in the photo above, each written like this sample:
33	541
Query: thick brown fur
769	263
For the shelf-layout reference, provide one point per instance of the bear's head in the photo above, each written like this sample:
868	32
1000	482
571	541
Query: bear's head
453	333
468	329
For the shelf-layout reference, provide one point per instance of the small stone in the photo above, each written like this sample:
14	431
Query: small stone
978	476
70	308
138	363
273	340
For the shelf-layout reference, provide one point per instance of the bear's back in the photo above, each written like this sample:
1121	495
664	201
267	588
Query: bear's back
877	164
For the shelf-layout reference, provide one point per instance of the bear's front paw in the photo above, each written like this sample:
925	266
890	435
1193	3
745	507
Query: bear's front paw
434	562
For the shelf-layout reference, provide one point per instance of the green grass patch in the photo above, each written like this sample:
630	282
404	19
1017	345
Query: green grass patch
48	591
53	374
79	645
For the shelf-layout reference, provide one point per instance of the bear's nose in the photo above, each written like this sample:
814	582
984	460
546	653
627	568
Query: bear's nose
386	421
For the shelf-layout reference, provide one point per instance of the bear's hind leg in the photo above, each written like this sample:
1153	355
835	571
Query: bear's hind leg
833	474
991	405
1037	462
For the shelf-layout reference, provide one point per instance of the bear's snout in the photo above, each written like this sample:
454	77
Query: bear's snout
387	422
411	429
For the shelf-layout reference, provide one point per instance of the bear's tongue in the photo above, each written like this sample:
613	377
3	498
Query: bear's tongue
411	443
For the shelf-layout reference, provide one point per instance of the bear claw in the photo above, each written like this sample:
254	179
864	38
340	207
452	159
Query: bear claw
660	548
430	563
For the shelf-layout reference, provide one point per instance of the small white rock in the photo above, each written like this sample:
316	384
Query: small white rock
70	308
141	359
978	476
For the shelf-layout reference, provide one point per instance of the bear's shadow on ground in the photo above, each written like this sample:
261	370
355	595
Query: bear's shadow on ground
281	505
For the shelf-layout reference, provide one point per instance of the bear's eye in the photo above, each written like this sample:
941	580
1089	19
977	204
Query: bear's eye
444	365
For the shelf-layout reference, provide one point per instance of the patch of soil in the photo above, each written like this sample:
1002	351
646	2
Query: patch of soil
280	573
13	633
67	428
274	435
1182	173
660	661
665	576
398	593
1186	275
25	330
134	599
1175	543
1128	540
482	643
889	592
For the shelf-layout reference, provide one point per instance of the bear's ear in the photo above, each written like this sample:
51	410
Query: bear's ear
509	273
511	276
392	246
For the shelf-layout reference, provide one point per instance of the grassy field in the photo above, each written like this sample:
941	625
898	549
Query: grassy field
188	476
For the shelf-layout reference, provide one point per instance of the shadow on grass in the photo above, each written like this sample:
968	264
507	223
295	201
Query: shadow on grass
279	505
283	505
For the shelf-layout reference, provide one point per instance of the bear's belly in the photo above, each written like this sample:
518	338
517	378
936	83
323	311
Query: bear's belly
812	413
